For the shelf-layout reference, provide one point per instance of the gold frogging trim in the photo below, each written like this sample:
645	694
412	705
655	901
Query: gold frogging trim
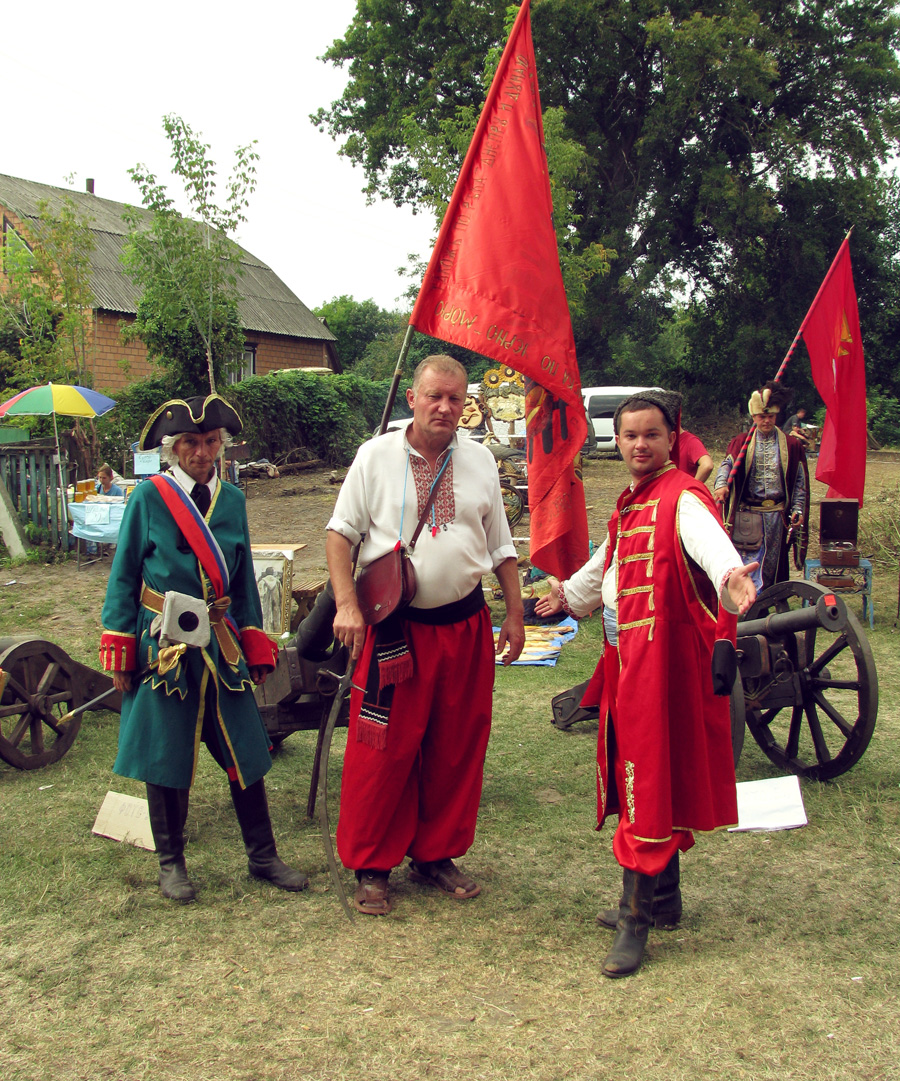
629	789
649	622
639	589
602	789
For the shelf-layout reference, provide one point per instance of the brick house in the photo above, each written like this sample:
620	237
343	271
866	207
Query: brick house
280	331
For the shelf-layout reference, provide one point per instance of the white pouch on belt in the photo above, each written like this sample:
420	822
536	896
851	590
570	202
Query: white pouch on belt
183	619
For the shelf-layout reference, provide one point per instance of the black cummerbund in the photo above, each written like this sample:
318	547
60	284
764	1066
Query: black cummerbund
454	612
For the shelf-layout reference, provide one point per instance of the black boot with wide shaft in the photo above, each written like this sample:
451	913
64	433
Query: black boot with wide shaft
168	814
633	925
252	810
666	901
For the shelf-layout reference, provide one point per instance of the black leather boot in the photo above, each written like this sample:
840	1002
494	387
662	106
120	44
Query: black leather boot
168	814
252	809
666	901
633	925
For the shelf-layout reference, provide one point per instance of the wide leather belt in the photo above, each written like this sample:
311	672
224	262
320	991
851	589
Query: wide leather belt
764	505
153	601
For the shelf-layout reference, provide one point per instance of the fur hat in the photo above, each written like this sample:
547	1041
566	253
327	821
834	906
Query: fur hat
772	398
668	402
196	415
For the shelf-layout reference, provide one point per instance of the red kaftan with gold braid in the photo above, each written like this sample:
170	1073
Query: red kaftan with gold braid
672	732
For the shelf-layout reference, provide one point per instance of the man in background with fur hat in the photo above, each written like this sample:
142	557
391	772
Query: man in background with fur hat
771	484
185	532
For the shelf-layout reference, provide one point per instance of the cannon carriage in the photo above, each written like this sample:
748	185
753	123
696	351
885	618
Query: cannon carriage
806	688
44	692
803	681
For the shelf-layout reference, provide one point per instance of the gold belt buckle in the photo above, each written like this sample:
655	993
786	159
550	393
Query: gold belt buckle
768	504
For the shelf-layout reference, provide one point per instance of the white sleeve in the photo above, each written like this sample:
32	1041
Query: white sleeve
582	593
707	543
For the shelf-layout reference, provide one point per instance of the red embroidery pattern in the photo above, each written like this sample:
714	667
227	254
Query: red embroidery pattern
444	506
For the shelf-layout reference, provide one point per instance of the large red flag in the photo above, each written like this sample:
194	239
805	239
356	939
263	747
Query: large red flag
831	333
494	285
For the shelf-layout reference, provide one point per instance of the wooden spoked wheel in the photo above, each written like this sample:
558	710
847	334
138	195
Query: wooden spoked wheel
42	683
825	689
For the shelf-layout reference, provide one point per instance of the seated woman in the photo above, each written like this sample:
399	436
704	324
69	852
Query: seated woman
105	483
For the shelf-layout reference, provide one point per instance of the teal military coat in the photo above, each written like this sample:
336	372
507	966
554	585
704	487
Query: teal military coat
162	717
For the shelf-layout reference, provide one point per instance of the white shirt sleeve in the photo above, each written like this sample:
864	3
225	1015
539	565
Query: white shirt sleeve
704	541
708	545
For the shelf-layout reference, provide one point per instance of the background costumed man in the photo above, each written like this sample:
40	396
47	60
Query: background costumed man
418	735
670	583
771	483
186	531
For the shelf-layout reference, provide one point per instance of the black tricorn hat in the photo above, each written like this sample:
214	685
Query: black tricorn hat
196	415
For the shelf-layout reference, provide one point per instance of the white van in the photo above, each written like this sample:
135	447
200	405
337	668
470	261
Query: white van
600	404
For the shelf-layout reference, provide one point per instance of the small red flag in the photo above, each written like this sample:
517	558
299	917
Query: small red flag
831	333
494	285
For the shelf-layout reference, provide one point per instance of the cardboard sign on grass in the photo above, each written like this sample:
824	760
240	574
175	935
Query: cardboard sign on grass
125	818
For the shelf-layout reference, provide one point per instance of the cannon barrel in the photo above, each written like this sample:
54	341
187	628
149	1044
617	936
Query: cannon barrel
829	613
315	634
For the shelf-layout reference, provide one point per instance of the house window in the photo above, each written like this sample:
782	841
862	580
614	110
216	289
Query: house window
247	366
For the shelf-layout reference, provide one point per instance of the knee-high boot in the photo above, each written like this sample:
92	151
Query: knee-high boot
252	809
633	925
168	814
666	900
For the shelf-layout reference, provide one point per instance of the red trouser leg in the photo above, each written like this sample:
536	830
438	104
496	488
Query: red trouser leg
420	795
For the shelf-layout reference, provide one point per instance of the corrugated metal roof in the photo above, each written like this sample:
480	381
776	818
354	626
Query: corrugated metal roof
265	303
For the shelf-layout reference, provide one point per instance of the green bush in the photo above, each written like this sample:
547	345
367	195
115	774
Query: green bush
310	416
883	416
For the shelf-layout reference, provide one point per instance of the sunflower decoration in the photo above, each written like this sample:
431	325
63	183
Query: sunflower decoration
504	394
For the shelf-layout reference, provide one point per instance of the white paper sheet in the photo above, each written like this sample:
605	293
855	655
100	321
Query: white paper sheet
125	818
773	804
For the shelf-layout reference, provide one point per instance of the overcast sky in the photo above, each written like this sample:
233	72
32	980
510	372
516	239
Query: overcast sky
87	85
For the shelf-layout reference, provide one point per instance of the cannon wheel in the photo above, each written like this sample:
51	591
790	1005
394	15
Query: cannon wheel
42	684
831	722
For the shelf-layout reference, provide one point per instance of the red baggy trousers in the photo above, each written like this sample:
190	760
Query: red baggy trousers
419	796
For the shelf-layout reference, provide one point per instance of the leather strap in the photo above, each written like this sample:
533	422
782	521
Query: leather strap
153	601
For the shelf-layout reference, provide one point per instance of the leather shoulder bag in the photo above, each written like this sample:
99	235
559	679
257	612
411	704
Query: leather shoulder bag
388	584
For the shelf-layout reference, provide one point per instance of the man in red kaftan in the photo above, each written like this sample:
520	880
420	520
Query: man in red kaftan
670	583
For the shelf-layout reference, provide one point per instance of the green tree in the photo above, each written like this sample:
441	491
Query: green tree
187	267
47	300
699	130
357	323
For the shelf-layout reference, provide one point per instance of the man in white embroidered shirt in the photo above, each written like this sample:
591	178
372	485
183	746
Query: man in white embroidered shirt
418	732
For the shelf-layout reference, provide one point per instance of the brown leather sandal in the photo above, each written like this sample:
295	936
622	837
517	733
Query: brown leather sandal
371	897
445	876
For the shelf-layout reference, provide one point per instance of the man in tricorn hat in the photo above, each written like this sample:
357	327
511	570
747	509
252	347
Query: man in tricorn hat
184	538
771	487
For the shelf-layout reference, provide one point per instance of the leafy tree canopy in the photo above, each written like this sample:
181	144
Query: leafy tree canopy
719	149
46	302
356	323
187	267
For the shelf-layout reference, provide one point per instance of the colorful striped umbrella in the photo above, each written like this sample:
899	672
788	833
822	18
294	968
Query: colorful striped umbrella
69	401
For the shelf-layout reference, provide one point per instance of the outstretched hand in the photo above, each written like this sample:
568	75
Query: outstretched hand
550	604
741	588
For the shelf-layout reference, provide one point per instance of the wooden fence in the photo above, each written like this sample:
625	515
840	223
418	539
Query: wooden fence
31	476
